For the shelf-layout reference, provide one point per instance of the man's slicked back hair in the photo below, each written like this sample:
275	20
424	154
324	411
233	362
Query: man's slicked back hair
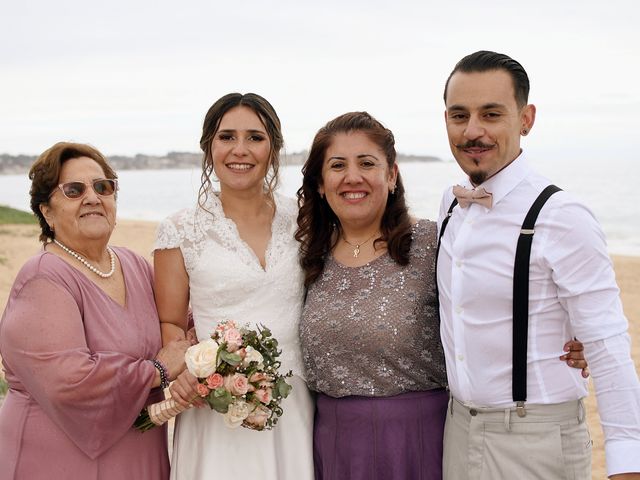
485	61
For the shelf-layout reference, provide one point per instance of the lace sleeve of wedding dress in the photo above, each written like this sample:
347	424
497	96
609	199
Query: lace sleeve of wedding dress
184	230
167	235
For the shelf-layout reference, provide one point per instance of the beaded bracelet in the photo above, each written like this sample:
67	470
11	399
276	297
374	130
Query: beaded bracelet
164	373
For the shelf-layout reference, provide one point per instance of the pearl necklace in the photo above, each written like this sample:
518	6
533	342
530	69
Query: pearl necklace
84	261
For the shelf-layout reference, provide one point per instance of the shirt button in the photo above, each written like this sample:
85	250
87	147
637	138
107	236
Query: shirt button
458	263
469	222
461	357
458	309
473	412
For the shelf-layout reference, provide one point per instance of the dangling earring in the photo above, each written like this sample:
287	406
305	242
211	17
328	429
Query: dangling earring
392	191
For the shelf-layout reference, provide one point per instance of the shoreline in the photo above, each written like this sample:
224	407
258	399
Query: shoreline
19	242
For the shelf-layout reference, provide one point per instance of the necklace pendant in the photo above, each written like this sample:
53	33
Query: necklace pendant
356	251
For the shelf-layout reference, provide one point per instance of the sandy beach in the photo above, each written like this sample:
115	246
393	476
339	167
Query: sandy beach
19	242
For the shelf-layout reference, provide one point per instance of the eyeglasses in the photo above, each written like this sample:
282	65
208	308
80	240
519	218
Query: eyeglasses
73	190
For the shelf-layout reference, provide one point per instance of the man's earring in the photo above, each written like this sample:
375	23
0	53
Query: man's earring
524	131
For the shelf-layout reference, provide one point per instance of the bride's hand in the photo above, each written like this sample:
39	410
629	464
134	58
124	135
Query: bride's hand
183	390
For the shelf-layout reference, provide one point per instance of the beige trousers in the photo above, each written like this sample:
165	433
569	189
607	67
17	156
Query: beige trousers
550	443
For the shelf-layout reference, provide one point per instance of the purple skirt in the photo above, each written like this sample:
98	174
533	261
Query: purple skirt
380	438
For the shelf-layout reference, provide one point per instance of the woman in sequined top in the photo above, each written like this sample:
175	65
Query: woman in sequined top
369	330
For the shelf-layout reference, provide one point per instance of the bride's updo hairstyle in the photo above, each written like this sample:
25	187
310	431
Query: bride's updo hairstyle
318	225
267	115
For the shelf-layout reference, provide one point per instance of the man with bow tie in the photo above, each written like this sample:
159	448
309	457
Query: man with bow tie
517	412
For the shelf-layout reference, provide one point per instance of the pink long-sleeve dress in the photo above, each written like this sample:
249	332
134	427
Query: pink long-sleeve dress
77	366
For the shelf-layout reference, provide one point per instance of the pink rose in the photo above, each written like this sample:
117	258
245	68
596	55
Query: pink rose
263	394
233	339
202	390
237	384
259	377
215	381
224	326
258	417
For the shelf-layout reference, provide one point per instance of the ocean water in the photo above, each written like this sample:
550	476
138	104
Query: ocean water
153	194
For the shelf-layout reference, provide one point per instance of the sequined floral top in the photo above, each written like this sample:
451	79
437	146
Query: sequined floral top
373	330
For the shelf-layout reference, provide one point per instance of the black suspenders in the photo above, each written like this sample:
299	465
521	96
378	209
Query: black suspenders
521	300
442	228
520	294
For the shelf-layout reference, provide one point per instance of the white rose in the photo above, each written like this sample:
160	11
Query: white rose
238	411
201	358
252	355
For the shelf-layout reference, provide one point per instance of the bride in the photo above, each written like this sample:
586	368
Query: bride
234	257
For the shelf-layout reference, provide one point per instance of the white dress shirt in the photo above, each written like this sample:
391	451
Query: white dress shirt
572	292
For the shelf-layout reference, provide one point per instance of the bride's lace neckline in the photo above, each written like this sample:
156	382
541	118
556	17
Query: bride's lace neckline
214	217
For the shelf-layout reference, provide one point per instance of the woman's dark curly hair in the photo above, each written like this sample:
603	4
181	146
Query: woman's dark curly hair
45	176
318	225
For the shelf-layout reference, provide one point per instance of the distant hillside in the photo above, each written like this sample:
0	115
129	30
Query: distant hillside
11	215
17	164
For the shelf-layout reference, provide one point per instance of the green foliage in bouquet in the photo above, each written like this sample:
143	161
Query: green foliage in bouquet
219	400
143	421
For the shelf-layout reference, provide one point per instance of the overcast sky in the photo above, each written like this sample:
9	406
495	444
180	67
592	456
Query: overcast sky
137	76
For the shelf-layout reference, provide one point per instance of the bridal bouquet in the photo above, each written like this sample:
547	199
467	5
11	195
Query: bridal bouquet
237	371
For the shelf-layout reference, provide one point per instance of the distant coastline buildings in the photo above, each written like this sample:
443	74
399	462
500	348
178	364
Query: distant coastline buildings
17	164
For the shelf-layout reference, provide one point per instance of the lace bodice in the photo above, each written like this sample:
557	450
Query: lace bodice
226	280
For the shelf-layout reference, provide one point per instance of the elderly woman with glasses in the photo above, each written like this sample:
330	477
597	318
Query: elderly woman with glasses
79	338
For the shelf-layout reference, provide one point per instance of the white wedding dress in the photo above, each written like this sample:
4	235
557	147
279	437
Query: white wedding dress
227	282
